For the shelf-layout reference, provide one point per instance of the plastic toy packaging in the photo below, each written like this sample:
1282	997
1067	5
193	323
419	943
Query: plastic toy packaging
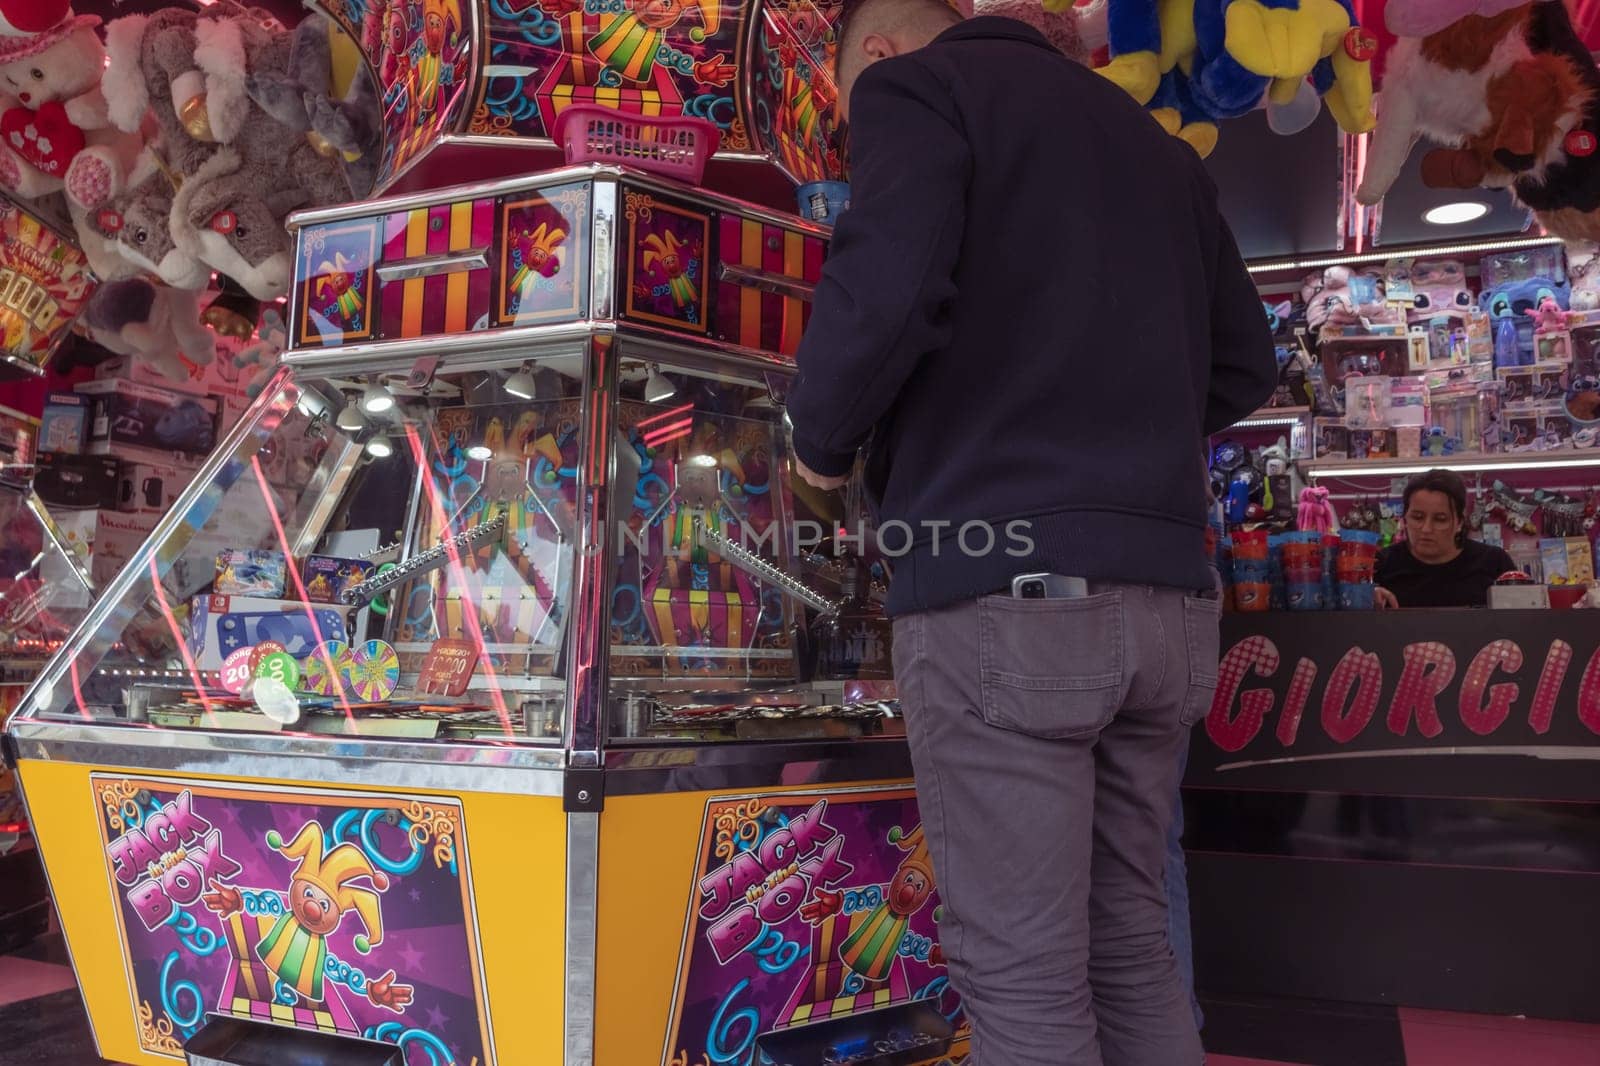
1366	401
1583	270
1408	402
1502	268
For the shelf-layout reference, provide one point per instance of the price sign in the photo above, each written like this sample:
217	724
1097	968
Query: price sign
448	668
237	671
281	667
261	651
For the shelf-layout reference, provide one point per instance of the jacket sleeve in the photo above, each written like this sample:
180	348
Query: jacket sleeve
881	304
1244	366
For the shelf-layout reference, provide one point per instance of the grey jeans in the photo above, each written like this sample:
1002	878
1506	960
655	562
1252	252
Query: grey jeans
1045	737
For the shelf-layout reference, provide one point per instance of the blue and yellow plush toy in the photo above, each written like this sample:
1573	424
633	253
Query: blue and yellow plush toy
1196	62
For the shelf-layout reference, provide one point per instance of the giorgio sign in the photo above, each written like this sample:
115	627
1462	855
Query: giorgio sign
1295	687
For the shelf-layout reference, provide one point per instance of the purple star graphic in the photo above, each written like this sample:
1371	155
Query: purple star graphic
416	895
437	1019
232	813
411	958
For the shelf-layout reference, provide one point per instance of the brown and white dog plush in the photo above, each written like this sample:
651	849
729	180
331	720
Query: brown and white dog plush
1512	94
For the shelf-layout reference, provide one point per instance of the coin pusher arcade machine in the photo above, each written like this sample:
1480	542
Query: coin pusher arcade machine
476	704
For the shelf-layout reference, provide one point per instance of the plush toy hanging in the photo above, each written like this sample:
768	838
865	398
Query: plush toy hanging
54	131
1196	62
1533	124
1316	514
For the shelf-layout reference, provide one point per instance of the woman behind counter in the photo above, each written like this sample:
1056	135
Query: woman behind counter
1436	565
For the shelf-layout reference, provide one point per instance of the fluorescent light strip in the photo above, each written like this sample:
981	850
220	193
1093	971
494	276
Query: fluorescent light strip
1402	253
1422	468
1259	423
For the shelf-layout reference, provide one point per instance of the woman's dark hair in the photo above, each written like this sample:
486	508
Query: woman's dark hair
1449	484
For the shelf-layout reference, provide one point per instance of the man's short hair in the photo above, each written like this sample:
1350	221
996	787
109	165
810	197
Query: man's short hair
860	16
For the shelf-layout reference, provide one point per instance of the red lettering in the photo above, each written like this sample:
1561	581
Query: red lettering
132	854
1362	671
151	905
1429	669
827	869
734	932
1252	653
1589	695
777	851
1475	715
1294	704
182	883
1549	690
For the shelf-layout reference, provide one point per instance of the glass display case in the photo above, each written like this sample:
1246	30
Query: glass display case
500	601
45	586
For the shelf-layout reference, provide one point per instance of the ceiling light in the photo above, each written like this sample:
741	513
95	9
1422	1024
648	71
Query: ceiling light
658	388
521	384
1456	214
375	399
350	419
1354	468
480	452
379	447
1403	252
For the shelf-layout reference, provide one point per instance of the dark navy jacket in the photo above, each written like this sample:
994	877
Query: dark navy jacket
1036	312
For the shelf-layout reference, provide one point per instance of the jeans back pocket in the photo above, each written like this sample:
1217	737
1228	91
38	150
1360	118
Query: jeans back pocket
1051	669
1201	621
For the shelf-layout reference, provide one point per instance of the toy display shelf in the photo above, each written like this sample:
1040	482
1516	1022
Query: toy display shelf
1562	459
1267	417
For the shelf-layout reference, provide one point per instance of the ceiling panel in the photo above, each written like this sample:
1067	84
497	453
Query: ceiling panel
1281	194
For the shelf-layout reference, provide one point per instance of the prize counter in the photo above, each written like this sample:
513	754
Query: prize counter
1400	807
469	706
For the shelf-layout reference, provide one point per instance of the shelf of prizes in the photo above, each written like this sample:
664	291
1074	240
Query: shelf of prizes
474	704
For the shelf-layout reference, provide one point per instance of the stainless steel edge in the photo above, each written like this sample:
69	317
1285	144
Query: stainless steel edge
242	443
424	266
602	250
654	344
383	205
516	769
49	882
588	650
653	769
486	349
549	178
480	349
41	514
583	893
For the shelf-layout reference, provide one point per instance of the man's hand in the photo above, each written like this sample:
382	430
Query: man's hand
1384	600
816	480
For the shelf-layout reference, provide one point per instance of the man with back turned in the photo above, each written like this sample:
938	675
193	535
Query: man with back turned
1036	312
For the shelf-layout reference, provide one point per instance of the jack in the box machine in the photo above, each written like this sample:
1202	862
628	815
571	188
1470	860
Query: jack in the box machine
552	733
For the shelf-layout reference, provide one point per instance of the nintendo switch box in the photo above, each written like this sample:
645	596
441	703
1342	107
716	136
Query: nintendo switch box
221	625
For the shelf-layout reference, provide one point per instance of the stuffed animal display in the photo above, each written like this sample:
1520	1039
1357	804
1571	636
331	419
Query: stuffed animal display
55	134
181	144
1197	62
1512	95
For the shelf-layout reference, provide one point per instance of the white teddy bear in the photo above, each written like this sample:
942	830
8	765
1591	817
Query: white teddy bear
55	133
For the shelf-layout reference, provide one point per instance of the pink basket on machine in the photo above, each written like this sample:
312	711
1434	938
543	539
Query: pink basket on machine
672	147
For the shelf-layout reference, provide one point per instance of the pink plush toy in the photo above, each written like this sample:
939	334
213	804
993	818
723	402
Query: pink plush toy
1549	317
55	133
1316	514
1423	18
1061	29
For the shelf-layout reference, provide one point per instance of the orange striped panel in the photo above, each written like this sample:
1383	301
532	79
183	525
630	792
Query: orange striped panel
793	310
455	307
749	296
412	298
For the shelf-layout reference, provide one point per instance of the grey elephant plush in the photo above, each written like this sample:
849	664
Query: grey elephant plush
230	212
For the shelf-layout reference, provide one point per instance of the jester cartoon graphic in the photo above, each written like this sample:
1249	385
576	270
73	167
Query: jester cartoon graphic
630	44
666	252
441	30
394	67
294	949
335	279
873	945
537	250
